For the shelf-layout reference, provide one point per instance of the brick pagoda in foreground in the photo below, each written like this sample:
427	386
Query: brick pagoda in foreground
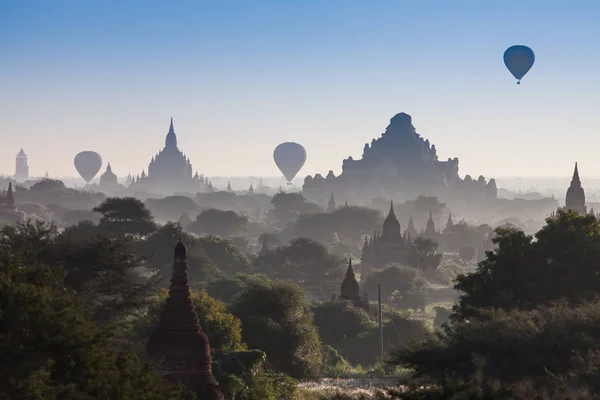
178	347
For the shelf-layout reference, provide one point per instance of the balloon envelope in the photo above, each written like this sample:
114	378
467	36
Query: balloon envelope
519	60
88	163
289	157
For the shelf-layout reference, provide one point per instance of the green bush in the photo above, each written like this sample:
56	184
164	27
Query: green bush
556	341
339	320
395	278
398	331
49	349
274	320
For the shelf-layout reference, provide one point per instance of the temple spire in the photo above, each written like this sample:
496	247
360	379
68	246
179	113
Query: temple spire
10	198
171	140
350	288
391	226
449	223
178	347
575	178
575	198
331	206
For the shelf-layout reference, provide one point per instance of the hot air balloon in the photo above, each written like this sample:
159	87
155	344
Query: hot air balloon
88	163
519	60
289	157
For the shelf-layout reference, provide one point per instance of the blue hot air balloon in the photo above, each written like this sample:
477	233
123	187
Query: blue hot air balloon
289	157
519	60
88	163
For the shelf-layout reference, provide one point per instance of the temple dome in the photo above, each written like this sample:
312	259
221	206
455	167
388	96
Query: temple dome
401	119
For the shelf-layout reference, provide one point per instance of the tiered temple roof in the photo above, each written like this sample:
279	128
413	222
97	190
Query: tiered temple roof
388	247
399	164
178	347
170	169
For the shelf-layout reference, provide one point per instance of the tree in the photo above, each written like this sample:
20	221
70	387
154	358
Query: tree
303	260
462	235
563	262
218	222
288	200
73	217
273	239
274	320
157	248
223	329
225	255
47	185
424	254
395	278
288	206
50	350
349	223
545	345
340	320
101	270
466	254
398	332
125	215
427	204
171	207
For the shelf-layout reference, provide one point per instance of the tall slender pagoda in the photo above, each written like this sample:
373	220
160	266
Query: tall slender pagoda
575	199
178	347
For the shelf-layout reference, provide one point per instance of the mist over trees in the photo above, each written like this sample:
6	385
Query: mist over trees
267	287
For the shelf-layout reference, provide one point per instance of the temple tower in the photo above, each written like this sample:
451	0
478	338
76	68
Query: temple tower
171	139
449	224
178	347
331	206
21	167
350	290
575	199
391	227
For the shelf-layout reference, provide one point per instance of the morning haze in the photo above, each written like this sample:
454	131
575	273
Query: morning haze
97	76
299	200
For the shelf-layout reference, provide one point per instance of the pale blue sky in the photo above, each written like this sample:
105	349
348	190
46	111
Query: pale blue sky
239	77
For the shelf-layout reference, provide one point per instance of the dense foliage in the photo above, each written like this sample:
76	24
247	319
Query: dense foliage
49	349
528	318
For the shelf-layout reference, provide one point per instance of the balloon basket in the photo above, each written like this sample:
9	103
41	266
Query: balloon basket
518	82
289	183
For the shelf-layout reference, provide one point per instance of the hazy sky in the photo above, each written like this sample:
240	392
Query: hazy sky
239	77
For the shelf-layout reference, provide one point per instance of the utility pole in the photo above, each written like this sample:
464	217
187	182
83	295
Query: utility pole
380	318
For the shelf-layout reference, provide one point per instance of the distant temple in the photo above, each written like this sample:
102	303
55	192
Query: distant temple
170	170
108	181
8	208
575	199
21	167
430	232
331	206
402	165
386	248
178	347
350	291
